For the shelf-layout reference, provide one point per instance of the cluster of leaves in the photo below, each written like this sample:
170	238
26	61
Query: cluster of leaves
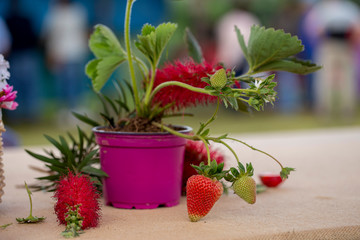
235	174
112	108
263	92
213	170
80	155
153	41
73	223
227	94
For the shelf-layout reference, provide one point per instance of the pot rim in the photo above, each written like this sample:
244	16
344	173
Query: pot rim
98	129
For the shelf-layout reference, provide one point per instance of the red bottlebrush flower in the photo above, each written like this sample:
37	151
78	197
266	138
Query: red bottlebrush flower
73	190
195	153
189	73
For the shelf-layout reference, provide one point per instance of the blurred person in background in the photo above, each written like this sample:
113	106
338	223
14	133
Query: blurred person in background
65	33
290	86
5	39
228	48
24	60
333	24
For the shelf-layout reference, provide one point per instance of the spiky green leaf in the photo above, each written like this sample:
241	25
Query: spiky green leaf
193	47
94	171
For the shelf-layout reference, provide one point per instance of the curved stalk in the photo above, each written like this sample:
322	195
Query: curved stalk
141	65
228	146
178	115
245	90
255	149
194	138
210	119
207	149
150	86
176	133
179	84
129	54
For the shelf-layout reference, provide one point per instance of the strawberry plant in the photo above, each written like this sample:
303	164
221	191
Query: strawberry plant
161	91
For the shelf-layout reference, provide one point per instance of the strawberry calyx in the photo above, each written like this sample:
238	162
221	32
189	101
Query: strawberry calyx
212	171
285	172
235	174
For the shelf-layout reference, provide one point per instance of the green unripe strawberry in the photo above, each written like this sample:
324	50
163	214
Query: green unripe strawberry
245	187
219	78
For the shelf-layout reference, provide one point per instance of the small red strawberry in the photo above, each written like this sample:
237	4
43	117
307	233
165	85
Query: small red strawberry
204	190
202	193
270	179
243	184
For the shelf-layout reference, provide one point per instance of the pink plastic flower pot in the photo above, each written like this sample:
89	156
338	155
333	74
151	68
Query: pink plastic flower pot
145	169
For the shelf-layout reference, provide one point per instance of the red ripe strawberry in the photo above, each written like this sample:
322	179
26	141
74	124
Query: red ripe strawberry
195	153
270	179
202	193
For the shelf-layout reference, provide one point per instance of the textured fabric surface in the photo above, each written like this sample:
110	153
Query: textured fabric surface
321	200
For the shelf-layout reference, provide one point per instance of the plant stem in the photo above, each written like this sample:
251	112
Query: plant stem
150	86
211	119
178	115
207	149
180	84
226	145
29	194
245	90
129	54
172	131
194	138
255	149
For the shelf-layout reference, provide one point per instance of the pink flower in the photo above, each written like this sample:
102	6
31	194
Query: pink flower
7	97
189	73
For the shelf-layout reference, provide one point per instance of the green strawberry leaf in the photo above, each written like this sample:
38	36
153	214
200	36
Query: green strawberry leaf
193	46
153	41
147	29
270	49
109	55
100	70
242	43
290	65
103	42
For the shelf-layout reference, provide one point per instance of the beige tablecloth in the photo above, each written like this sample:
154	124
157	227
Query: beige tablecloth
321	200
